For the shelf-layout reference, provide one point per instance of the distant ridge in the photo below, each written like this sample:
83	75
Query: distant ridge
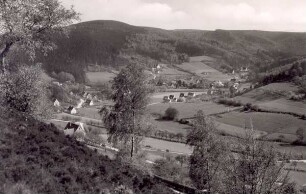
113	44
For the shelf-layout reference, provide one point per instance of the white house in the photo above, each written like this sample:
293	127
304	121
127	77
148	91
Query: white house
80	104
74	128
56	103
72	110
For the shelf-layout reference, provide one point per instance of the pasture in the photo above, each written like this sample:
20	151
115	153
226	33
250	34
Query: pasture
267	93
197	66
188	110
100	77
268	122
284	105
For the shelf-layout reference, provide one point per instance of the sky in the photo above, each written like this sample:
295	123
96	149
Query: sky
269	15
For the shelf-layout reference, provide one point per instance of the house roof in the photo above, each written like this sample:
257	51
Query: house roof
70	108
71	126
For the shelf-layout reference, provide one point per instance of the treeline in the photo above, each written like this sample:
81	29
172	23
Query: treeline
297	69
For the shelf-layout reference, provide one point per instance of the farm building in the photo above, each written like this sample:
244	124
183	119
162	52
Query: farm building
89	102
56	103
73	128
71	110
174	100
80	104
191	94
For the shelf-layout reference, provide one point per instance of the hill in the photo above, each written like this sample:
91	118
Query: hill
38	158
95	44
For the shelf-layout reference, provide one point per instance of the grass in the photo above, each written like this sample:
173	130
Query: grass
188	110
100	77
170	126
269	122
284	105
196	66
267	93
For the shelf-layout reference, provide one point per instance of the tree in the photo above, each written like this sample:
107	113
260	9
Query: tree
256	170
209	154
64	76
24	91
171	113
300	133
125	121
29	25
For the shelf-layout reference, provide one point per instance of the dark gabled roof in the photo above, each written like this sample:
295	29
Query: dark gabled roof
70	108
71	126
88	101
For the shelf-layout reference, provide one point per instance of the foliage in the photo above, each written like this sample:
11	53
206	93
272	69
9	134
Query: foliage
29	24
38	158
171	113
256	169
229	102
24	91
63	77
125	120
209	154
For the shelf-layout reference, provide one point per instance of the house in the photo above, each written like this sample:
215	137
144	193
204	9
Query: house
219	84
244	69
191	94
89	102
71	110
56	103
80	104
171	97
174	100
182	95
74	128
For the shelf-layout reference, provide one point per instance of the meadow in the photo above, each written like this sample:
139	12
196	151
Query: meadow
269	122
197	66
100	77
188	110
284	105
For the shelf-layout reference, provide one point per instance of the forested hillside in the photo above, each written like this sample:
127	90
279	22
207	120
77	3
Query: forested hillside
110	43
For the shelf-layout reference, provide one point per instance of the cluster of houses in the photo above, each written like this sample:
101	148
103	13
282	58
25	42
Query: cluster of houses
89	101
182	97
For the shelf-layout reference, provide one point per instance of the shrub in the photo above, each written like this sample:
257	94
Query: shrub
183	121
171	113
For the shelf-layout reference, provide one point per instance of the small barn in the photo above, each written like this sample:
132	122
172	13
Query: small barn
191	94
89	102
74	128
56	103
71	110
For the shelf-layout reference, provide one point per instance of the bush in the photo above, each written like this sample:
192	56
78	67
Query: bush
229	102
183	121
171	113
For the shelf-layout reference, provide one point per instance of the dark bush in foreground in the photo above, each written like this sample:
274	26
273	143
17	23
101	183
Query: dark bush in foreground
171	114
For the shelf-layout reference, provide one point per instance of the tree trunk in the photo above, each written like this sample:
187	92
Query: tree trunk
2	56
132	148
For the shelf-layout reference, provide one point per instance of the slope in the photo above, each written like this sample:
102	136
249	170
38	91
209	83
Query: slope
112	43
38	158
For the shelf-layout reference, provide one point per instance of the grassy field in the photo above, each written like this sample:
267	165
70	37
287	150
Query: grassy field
188	110
284	105
197	66
158	97
170	126
269	122
100	77
267	93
